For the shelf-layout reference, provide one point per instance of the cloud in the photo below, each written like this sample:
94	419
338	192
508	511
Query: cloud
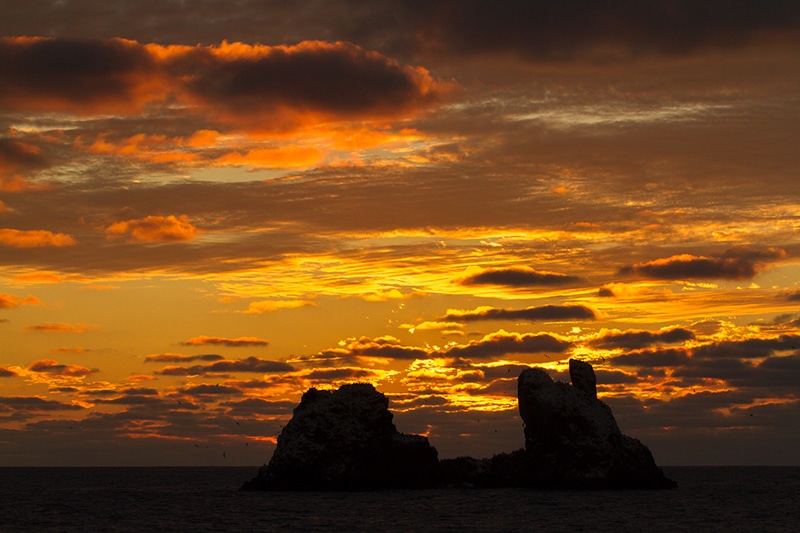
386	347
794	297
6	373
179	358
339	79
238	342
505	343
268	306
734	264
545	312
49	366
568	30
337	374
16	159
610	340
34	403
250	407
155	228
517	277
746	348
10	301
16	238
653	358
210	390
251	364
58	327
249	82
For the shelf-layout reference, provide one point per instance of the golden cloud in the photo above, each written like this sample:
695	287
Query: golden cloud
34	238
154	228
10	301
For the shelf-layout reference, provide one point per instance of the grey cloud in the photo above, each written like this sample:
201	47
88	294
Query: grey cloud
179	358
500	344
518	277
654	358
33	403
641	339
251	364
734	264
545	312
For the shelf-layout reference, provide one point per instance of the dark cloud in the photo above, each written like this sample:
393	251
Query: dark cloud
32	403
661	357
336	79
382	347
555	31
179	358
6	373
335	374
517	277
535	29
141	391
224	341
70	72
735	264
50	366
503	343
641	339
251	364
257	406
747	348
16	155
605	292
545	312
209	390
794	297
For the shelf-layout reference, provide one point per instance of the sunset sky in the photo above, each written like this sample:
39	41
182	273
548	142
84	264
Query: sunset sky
208	207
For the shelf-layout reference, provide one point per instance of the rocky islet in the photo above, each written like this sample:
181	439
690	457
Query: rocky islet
346	440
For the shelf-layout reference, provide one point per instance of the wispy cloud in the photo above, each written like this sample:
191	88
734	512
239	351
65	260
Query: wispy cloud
49	366
237	342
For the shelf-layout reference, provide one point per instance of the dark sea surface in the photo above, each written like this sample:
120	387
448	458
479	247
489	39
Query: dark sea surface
207	499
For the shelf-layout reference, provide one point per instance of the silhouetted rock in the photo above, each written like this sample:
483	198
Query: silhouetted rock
582	376
345	440
572	439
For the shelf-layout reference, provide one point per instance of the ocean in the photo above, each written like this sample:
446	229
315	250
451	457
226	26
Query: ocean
207	499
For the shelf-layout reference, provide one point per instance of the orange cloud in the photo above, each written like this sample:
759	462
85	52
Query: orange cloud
279	157
10	301
50	366
203	340
267	306
154	228
33	238
58	327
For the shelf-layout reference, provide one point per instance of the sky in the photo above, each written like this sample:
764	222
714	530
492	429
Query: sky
209	207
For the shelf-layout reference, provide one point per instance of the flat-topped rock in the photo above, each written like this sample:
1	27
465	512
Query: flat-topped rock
345	440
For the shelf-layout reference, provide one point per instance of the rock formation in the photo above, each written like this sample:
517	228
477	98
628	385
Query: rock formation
572	439
345	440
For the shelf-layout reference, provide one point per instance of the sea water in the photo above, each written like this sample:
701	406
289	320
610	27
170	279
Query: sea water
207	499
